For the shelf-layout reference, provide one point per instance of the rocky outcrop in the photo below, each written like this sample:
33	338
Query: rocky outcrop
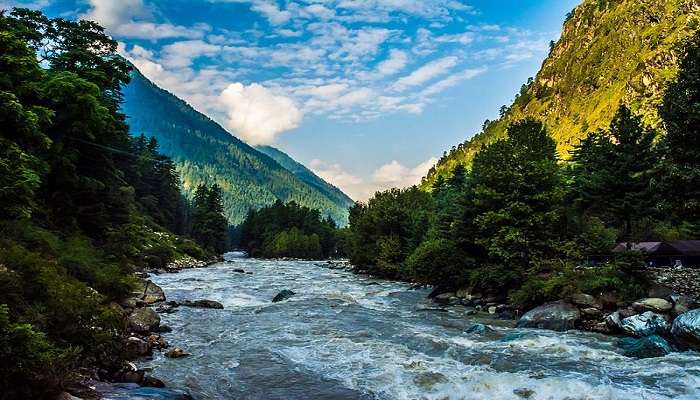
645	324
143	320
557	316
646	347
686	329
136	347
283	295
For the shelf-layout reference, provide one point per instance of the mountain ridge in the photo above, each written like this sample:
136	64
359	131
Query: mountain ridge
205	152
610	52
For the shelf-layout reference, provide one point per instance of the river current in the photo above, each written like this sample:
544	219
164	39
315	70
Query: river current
347	336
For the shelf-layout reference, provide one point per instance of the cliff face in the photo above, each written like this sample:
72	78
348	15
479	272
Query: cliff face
610	52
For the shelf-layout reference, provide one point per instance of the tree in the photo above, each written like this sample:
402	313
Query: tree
209	225
611	173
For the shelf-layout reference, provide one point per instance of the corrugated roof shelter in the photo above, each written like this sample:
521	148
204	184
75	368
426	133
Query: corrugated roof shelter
687	248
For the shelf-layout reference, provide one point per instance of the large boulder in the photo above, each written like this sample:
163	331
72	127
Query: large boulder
144	320
135	348
585	301
686	329
645	324
283	295
614	321
202	304
446	298
653	304
646	347
557	316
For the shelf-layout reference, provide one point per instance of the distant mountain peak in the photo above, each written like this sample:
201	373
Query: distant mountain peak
206	153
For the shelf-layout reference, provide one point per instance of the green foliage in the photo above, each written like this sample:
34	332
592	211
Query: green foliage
209	226
439	262
288	230
205	153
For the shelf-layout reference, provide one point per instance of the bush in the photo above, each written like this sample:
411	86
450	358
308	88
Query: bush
440	263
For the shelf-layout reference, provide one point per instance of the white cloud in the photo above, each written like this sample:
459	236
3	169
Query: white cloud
181	54
33	4
271	11
133	19
396	61
451	81
258	115
387	176
425	73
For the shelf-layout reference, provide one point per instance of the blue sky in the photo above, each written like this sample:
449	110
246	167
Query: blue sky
367	93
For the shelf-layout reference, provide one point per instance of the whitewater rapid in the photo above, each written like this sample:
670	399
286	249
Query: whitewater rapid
347	336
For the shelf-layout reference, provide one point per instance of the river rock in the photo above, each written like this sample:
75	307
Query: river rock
683	304
557	316
157	342
686	329
136	347
446	298
480	329
177	353
283	295
645	347
653	304
585	301
203	304
149	381
591	312
166	309
614	321
67	396
645	324
144	320
660	291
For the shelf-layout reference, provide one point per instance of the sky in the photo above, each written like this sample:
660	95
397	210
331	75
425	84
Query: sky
366	93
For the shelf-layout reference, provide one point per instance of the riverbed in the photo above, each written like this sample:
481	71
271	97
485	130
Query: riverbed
348	336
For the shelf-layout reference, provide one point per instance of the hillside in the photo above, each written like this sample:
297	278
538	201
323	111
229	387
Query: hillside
610	52
204	152
306	175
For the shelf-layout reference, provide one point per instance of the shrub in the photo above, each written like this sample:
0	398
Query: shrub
439	262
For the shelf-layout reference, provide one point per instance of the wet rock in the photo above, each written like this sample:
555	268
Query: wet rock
492	309
67	396
609	300
591	313
524	393
166	309
446	298
660	291
283	295
645	347
133	391
614	321
686	329
149	381
585	301
144	320
165	329
683	304
479	329
626	312
557	316
434	309
645	324
177	353
653	304
136	347
203	304
157	342
428	379
240	271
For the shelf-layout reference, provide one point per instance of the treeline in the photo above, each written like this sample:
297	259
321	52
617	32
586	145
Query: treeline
81	204
520	220
288	230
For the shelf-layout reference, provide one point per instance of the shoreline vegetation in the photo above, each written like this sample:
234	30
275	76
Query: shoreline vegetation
84	207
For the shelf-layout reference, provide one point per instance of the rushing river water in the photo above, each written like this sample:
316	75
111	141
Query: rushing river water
346	336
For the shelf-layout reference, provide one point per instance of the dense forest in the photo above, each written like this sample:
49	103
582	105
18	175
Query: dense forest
84	204
288	230
205	153
610	53
521	220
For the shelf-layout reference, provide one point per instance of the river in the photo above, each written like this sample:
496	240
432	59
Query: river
347	336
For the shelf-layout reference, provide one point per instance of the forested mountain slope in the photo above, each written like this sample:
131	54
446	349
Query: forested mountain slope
307	176
206	153
610	52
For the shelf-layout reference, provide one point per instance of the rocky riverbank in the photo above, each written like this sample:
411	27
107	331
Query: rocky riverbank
143	337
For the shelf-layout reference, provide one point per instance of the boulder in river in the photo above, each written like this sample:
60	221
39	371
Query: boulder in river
645	324
645	347
144	320
283	295
686	329
653	304
557	316
177	353
585	301
683	304
203	304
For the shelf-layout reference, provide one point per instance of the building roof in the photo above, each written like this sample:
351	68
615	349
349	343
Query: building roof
688	248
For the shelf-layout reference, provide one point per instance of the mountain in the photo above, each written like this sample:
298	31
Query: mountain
205	152
610	52
307	176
